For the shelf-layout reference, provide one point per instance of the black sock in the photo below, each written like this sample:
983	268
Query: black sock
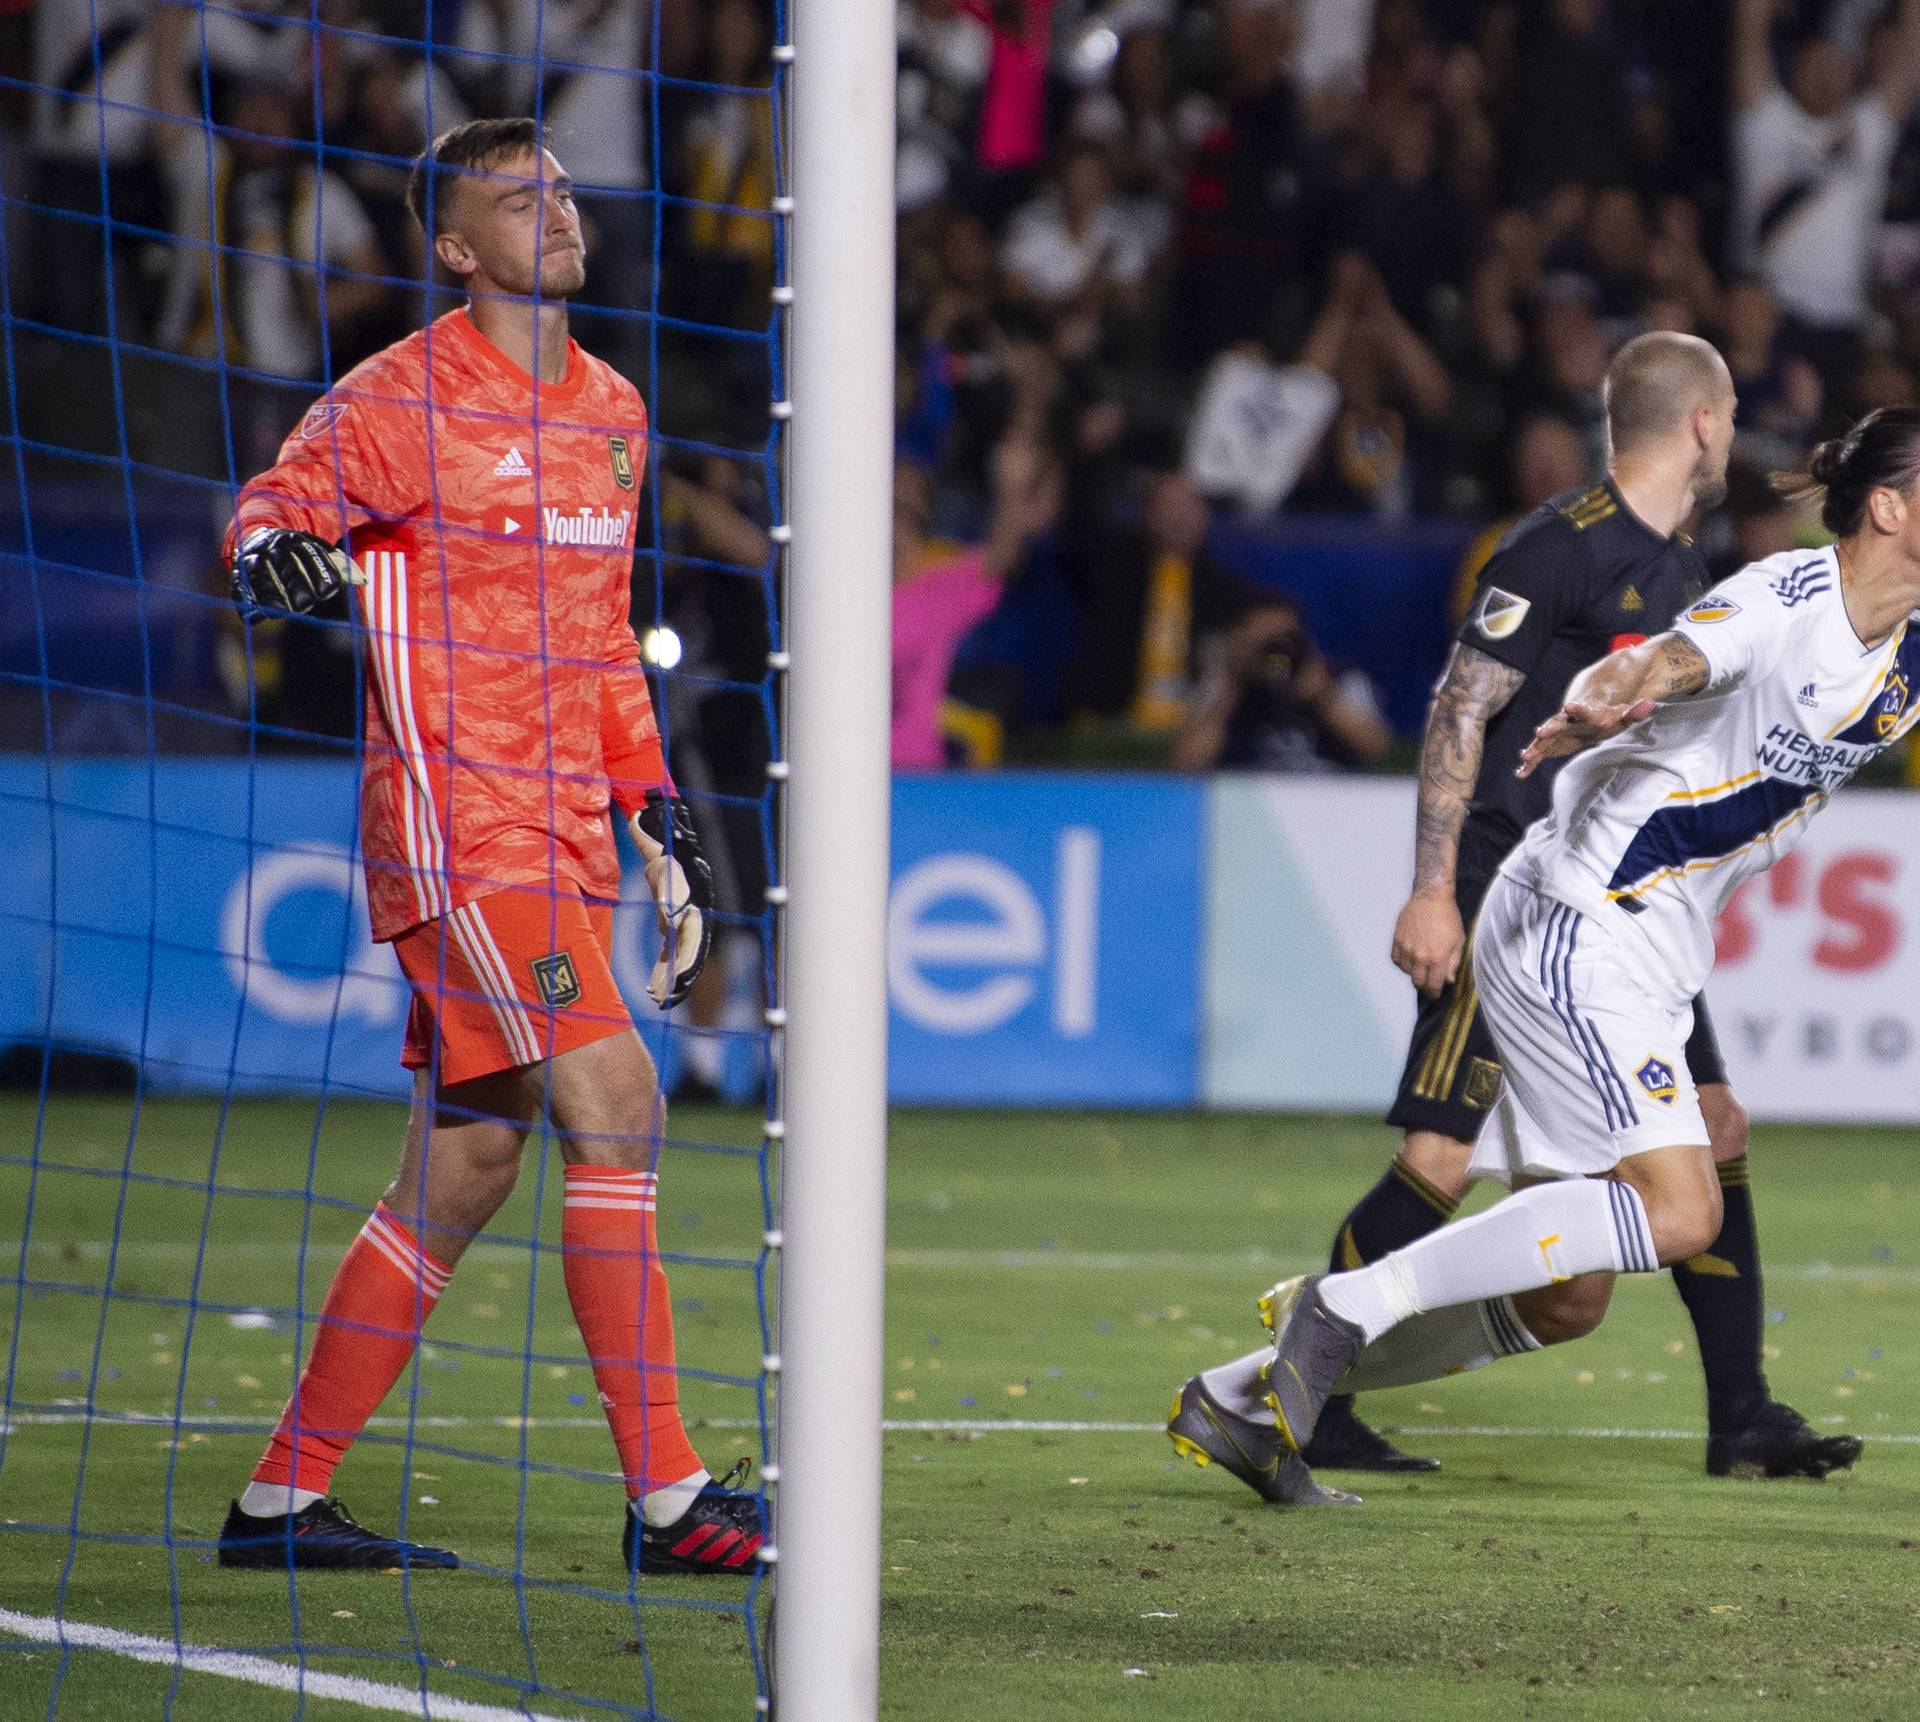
1402	1207
1721	1289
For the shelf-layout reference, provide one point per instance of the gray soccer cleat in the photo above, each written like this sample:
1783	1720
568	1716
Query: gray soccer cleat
1312	1349
1205	1431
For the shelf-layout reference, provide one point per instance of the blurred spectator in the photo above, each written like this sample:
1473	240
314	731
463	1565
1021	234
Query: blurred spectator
1569	121
1781	399
99	132
941	591
1268	700
1256	425
1811	164
276	311
1148	594
1403	216
725	270
1148	123
943	57
1566	363
1249	205
1072	250
1759	522
575	64
1548	458
1380	455
1012	138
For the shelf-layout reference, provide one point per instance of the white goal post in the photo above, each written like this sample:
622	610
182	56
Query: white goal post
838	631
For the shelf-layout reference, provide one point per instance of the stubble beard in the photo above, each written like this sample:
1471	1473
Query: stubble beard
1709	480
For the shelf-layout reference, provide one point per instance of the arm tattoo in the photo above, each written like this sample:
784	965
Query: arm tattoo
1679	671
1475	689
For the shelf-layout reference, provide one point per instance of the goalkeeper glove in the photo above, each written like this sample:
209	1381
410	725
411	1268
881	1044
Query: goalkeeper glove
682	887
279	571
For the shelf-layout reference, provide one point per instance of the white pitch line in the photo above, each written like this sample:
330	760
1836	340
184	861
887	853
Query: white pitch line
905	1426
1252	1262
261	1671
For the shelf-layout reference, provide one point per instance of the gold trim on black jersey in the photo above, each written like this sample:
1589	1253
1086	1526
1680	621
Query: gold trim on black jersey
1591	507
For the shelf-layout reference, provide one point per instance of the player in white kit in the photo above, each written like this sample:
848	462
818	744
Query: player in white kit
1709	749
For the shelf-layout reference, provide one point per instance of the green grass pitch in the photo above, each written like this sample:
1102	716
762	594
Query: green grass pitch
1043	1270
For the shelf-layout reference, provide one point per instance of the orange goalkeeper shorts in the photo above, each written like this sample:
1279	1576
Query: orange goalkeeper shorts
508	980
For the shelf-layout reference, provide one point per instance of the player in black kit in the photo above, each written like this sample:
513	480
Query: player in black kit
1581	575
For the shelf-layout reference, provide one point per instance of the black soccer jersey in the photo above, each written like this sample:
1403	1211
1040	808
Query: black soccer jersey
1576	578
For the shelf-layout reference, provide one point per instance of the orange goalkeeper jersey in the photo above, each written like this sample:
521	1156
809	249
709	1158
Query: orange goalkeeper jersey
494	521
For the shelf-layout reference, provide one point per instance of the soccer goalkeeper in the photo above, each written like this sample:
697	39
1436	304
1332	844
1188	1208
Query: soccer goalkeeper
475	484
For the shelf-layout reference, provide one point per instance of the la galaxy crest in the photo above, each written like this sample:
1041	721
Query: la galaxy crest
622	461
1892	705
1656	1077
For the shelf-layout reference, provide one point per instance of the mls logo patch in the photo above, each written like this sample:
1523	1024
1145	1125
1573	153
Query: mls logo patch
622	462
1656	1077
1501	613
554	976
1712	609
321	417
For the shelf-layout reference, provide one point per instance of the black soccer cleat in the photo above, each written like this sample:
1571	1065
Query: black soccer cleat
321	1535
1312	1349
1342	1441
720	1533
1774	1440
1205	1431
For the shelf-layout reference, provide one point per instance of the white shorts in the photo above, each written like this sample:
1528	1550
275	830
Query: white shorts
1593	1053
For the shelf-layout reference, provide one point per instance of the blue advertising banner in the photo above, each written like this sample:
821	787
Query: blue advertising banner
204	920
1043	940
207	919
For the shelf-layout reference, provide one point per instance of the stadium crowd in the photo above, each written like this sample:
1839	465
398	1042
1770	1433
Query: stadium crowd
1163	266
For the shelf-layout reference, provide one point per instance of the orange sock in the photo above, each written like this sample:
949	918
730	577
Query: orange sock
618	1287
384	1289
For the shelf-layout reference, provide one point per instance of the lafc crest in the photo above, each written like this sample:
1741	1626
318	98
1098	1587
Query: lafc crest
558	981
622	461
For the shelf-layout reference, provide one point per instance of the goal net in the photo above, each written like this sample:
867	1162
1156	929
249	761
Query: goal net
206	226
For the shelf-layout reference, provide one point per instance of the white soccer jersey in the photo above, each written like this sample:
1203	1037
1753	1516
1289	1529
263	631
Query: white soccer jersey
1655	829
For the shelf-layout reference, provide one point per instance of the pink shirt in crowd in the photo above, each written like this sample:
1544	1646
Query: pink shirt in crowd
932	613
1013	108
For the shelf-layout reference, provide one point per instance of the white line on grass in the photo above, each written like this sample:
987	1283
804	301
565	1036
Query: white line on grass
1252	1262
899	1426
261	1671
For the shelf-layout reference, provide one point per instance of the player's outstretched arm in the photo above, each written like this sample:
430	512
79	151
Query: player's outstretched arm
1617	692
1428	937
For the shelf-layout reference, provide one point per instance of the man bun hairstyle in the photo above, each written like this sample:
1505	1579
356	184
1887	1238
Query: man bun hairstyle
1881	452
1655	381
471	148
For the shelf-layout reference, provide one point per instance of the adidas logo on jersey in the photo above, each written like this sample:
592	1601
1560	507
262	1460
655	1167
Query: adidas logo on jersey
512	464
1809	695
1630	599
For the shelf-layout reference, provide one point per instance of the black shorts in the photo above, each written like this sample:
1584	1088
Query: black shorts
1452	1073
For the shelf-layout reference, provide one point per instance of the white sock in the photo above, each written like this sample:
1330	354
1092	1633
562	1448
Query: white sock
1238	1387
272	1500
1441	1342
660	1507
1536	1237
